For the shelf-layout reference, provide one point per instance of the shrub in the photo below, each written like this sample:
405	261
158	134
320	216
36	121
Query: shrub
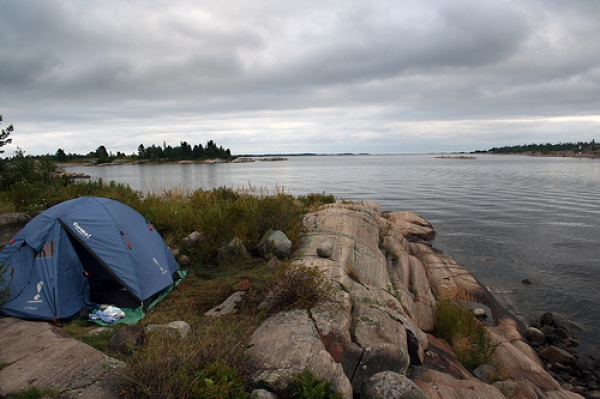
468	338
306	385
291	286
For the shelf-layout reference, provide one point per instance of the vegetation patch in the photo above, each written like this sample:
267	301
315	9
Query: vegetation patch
307	385
469	339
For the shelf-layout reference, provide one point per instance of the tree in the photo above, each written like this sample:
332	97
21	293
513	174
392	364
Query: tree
60	155
4	140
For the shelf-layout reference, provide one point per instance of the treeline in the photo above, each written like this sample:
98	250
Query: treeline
544	148
154	153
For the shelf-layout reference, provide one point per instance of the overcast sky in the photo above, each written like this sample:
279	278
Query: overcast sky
299	76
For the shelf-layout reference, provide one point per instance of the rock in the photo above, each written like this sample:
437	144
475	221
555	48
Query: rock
233	252
535	335
98	331
333	320
486	373
479	313
124	340
508	388
526	281
262	394
192	239
273	264
390	385
173	329
555	355
593	395
275	242
229	306
39	354
185	260
547	319
411	224
325	249
287	343
438	385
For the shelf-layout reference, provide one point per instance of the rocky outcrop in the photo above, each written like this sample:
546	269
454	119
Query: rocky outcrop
385	276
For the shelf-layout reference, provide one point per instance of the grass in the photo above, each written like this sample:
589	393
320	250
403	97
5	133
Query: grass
468	338
211	362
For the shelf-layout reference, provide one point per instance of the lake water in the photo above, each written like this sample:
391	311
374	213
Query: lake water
504	218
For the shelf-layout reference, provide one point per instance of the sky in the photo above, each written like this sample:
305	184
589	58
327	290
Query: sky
281	76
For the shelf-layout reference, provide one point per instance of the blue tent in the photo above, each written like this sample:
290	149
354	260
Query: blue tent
84	252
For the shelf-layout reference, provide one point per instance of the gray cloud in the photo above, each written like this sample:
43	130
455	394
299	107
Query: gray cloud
319	76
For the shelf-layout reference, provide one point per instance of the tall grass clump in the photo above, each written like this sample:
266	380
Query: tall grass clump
208	364
469	339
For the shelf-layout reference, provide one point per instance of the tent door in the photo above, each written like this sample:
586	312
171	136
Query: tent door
104	287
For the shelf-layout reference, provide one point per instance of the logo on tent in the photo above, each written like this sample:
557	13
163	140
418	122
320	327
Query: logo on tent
36	298
81	231
163	271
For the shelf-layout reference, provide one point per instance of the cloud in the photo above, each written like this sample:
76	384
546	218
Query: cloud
331	76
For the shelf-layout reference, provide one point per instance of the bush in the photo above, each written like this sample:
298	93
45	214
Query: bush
291	286
468	338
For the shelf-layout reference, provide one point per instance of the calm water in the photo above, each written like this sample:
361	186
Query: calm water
505	218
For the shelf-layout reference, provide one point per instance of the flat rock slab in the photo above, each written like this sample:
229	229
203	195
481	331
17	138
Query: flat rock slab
39	354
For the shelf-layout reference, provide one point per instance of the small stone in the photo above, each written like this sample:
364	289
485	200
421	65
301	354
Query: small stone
535	335
262	394
185	260
526	281
593	395
508	388
480	313
173	329
97	331
486	373
192	239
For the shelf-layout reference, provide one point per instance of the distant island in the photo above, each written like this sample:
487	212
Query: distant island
456	157
580	150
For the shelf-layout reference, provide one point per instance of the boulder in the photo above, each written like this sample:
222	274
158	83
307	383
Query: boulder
325	249
233	252
275	242
286	344
390	385
555	355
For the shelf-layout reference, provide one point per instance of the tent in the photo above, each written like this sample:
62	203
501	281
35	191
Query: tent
81	253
